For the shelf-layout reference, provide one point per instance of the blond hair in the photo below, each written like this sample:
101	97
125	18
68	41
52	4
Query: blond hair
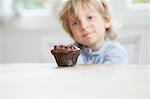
69	10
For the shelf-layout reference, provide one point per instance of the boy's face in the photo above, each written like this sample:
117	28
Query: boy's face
89	28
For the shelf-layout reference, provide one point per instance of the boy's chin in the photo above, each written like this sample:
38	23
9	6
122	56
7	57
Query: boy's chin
90	42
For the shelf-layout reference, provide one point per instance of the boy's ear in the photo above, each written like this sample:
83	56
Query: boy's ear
107	25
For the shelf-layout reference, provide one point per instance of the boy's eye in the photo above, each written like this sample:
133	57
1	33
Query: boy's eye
74	23
90	17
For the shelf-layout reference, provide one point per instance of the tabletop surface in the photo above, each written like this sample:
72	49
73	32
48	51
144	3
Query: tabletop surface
36	80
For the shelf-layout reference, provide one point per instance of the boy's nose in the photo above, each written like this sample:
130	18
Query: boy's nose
84	25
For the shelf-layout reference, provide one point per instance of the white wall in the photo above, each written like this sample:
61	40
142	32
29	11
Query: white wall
29	40
137	27
133	30
0	31
148	44
0	45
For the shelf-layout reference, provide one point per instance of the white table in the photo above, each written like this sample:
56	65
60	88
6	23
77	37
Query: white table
46	81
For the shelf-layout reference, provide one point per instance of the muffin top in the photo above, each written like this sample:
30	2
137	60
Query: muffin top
64	49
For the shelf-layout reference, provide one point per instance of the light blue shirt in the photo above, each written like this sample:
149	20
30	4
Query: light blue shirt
110	53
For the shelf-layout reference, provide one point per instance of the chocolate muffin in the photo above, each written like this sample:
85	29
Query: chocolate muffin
65	55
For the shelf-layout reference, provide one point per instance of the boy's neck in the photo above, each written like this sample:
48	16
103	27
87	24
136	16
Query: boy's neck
97	46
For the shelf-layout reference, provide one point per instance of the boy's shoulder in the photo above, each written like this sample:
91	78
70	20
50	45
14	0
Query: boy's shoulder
113	47
115	52
113	44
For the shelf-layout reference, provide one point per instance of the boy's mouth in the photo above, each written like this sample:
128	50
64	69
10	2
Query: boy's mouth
87	34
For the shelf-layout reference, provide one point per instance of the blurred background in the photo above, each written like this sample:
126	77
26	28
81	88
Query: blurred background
30	28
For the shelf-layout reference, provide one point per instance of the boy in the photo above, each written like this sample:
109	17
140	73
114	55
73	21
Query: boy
88	23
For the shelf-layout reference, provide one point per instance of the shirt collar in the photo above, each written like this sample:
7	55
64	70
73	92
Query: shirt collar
89	51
